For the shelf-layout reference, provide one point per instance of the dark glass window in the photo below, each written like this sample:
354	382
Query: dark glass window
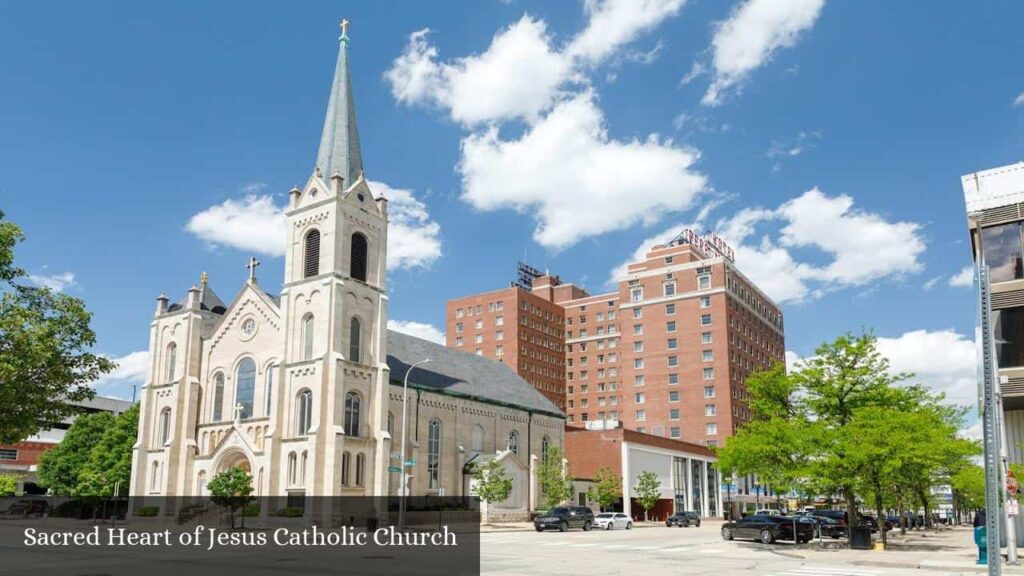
245	386
1009	334
1002	247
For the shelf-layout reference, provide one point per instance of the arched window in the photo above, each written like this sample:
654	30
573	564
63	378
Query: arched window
304	413
360	468
154	482
218	397
292	465
544	445
391	424
307	337
513	442
476	440
346	462
302	468
245	386
352	414
357	264
311	257
201	484
270	390
165	426
354	340
434	454
172	361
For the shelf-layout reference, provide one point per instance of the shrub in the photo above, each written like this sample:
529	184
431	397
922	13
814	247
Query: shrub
252	510
148	511
289	511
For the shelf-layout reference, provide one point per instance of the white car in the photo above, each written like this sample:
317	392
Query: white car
610	520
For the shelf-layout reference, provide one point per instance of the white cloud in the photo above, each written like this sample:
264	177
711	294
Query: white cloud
414	240
254	224
257	224
932	282
417	329
963	279
749	38
943	360
523	72
860	247
132	368
613	23
1019	100
55	282
574	179
516	77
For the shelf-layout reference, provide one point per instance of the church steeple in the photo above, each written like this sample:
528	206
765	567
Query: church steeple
339	144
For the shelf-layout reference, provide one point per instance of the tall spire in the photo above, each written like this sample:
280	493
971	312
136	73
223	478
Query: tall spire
339	144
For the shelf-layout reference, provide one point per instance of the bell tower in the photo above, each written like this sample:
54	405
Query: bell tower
335	308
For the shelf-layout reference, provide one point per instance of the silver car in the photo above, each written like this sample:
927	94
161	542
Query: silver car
611	520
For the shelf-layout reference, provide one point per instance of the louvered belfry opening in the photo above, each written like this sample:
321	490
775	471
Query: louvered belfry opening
312	254
357	266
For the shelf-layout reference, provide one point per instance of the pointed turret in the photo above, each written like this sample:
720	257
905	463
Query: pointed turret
339	145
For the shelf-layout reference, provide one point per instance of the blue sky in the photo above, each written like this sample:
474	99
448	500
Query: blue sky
141	144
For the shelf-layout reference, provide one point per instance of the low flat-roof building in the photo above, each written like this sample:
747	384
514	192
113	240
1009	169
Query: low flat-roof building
687	472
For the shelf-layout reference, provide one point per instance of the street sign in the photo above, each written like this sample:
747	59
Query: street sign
394	469
410	462
395	456
1012	507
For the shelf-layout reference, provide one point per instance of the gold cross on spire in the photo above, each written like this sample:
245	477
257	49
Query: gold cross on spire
344	27
204	278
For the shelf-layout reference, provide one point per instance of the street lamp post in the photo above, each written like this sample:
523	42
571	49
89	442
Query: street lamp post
405	418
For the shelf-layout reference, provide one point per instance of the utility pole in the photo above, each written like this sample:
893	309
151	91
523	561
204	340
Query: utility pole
990	406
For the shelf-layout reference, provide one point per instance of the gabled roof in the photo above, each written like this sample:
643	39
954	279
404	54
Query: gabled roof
462	374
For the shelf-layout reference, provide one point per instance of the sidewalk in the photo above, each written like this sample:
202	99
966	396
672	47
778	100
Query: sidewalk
951	550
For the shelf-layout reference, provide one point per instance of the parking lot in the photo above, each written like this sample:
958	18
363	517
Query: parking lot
661	550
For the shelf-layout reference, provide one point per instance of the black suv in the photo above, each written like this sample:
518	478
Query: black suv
565	517
683	519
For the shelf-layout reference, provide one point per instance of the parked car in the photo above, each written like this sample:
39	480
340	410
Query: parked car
564	518
612	520
838	515
824	526
769	512
28	507
768	529
683	519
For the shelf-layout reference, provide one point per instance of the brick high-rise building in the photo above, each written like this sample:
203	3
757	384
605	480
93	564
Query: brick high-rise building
667	353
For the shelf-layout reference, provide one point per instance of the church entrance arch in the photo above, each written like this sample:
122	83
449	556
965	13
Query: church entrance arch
234	459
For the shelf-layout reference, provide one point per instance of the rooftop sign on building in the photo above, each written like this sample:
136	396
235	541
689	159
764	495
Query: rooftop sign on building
710	244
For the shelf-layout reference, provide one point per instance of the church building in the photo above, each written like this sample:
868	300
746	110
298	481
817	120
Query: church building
303	388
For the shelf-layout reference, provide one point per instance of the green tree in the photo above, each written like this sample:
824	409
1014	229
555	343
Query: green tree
647	490
555	482
608	487
492	483
45	338
232	488
61	468
8	484
110	460
968	485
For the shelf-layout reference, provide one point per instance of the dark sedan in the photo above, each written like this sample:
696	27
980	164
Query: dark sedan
563	518
683	519
768	529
